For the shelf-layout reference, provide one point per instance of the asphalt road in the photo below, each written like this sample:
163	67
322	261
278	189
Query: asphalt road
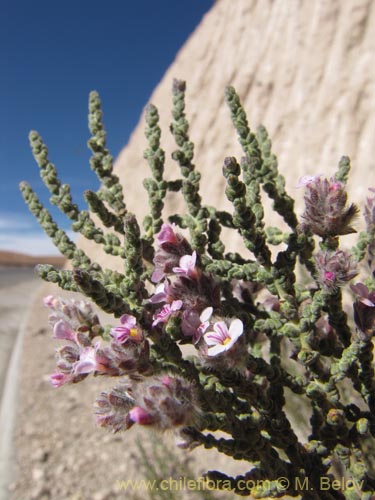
17	286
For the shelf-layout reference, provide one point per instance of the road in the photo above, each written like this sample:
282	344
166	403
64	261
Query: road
17	286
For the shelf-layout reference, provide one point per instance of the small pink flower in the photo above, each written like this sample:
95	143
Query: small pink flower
166	312
160	294
157	275
128	331
167	234
49	301
335	186
204	317
171	247
194	325
140	416
187	266
305	180
75	362
329	276
58	379
87	361
167	381
63	331
222	339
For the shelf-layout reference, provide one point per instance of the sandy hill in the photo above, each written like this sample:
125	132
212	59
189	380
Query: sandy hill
303	69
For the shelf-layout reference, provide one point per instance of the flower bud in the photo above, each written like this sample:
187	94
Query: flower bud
325	211
334	269
112	409
170	401
164	401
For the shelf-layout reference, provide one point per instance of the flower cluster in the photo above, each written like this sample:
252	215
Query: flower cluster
191	295
334	269
163	401
75	322
186	290
326	213
69	315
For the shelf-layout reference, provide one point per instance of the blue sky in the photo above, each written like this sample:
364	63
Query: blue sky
52	54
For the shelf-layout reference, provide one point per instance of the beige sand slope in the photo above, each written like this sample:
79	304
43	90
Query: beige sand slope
305	70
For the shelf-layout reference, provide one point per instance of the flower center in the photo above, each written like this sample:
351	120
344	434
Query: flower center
133	332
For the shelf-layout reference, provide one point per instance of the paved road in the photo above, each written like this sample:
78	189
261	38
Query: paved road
17	286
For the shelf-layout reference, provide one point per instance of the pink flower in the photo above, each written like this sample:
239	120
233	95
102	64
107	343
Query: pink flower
167	381
128	331
172	246
63	331
160	294
87	361
329	276
335	186
193	325
204	317
167	235
305	180
157	275
58	379
187	266
222	339
49	301
166	312
140	416
75	362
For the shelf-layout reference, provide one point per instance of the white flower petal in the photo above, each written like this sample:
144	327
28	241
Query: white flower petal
160	288
221	328
217	349
305	180
235	329
206	314
212	338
